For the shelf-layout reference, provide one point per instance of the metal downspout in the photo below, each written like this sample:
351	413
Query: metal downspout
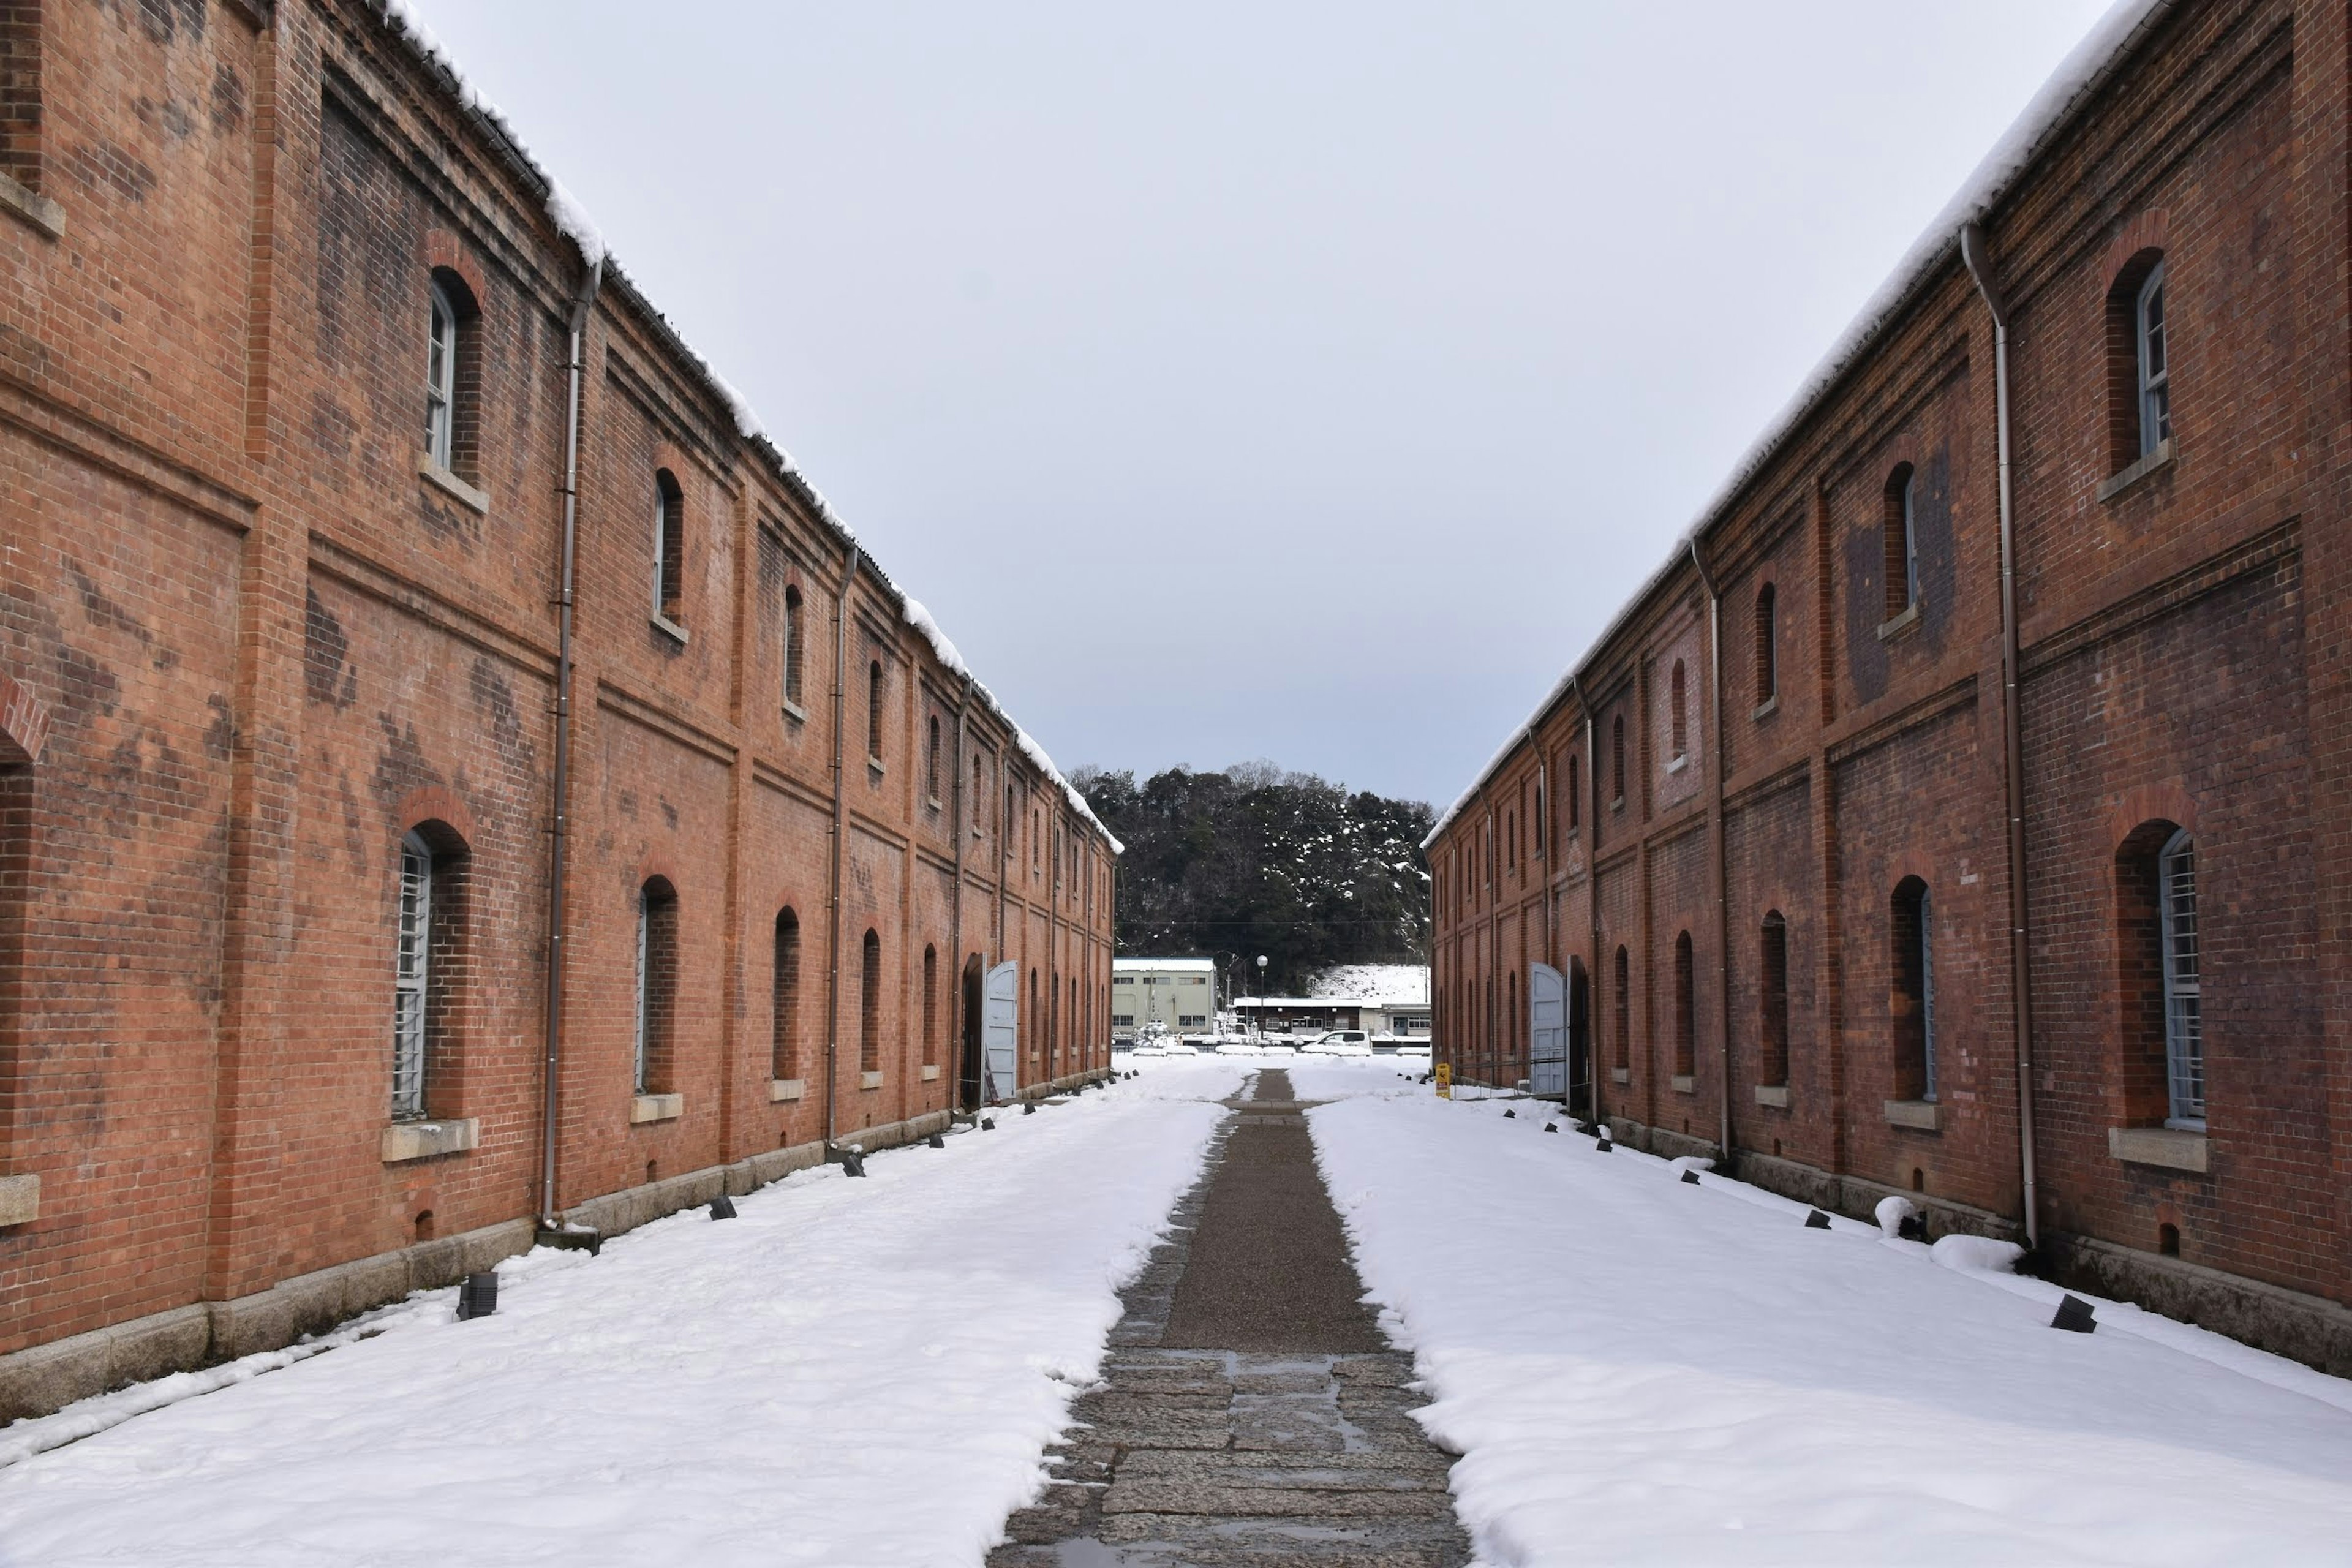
560	831
1979	261
1722	845
963	830
1592	908
840	833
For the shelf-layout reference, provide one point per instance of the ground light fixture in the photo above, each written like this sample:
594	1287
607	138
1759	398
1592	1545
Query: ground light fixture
479	1296
1690	1178
2074	1316
1816	1220
988	1124
936	1141
1603	1146
722	1208
1551	1126
853	1162
1510	1116
1028	1108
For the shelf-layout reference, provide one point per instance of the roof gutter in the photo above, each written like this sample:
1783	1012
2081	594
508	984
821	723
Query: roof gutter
1979	259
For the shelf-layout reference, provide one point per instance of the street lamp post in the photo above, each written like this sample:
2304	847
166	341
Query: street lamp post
1261	999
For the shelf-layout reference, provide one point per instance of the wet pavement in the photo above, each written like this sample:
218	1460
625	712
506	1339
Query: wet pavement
1251	1411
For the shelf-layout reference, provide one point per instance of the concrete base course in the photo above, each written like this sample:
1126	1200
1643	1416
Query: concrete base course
2285	1322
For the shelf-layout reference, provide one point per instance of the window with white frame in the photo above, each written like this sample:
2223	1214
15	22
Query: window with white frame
441	378
2155	379
412	977
2184	1023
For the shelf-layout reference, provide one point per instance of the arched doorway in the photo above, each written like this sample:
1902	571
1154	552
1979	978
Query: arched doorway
968	1054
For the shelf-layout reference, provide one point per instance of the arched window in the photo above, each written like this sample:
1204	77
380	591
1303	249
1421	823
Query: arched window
1911	997
1511	1016
930	1005
670	548
452	375
1035	1021
657	984
874	711
1767	641
1678	708
1772	1033
2154	371
2163	1005
931	762
1575	791
1902	543
1510	840
1624	977
1012	820
795	640
785	1024
869	1003
1540	820
1617	758
1685	1008
975	807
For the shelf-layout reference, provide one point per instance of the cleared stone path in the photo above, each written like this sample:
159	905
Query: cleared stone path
1251	1411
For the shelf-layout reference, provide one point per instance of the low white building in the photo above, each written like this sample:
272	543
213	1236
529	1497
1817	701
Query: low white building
1389	1001
1179	993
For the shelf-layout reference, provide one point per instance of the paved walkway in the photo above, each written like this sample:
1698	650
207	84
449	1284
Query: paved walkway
1251	1411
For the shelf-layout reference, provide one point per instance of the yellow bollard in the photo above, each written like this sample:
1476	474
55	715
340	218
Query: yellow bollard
1445	1080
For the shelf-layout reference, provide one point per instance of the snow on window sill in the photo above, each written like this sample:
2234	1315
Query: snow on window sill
873	765
1920	1115
1775	1095
2117	483
405	1140
441	478
794	712
781	1089
2161	1146
1680	761
1895	625
930	1072
646	1108
669	626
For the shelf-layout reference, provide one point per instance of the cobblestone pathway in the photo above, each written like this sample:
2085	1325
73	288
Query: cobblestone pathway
1251	1413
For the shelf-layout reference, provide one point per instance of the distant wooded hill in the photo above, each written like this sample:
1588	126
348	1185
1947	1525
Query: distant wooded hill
1255	860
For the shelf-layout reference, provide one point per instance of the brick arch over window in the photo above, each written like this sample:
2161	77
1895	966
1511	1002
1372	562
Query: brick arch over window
23	724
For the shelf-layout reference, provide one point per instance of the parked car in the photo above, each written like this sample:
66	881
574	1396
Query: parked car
1342	1043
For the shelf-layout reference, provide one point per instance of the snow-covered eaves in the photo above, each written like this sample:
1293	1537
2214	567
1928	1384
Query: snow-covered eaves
572	220
2077	78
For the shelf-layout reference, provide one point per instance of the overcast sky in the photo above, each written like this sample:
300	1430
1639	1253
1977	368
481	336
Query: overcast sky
1286	381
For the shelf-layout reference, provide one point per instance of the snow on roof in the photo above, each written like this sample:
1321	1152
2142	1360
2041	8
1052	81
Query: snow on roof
1380	984
1189	965
572	220
2078	76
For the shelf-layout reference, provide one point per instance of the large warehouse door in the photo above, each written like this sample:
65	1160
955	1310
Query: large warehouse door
1004	1030
1546	1032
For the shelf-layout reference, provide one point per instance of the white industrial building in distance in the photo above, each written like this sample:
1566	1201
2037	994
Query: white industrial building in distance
1178	993
1387	1001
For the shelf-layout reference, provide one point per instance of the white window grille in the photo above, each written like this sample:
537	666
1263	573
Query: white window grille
644	989
2155	374
412	962
1927	992
440	376
2184	1022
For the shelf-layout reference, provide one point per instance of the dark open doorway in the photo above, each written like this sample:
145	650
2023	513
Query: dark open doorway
967	1038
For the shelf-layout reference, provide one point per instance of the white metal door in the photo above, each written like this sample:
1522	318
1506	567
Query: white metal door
1546	1032
1001	1033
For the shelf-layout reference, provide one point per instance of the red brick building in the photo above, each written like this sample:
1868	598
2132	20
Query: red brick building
316	657
1763	827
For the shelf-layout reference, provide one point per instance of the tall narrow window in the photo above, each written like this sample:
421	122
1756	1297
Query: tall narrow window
1624	977
1772	1033
869	1004
795	641
1510	840
1911	1001
785	1024
930	1005
412	977
1767	641
670	548
1575	791
657	984
1902	541
1685	1008
1617	757
2155	381
2184	1021
441	377
975	807
874	711
931	762
1011	821
1539	821
1678	703
20	94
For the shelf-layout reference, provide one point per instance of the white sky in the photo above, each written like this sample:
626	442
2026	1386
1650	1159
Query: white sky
1303	381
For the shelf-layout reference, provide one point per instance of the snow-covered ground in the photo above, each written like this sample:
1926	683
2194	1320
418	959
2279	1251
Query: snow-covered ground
1641	1371
852	1372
